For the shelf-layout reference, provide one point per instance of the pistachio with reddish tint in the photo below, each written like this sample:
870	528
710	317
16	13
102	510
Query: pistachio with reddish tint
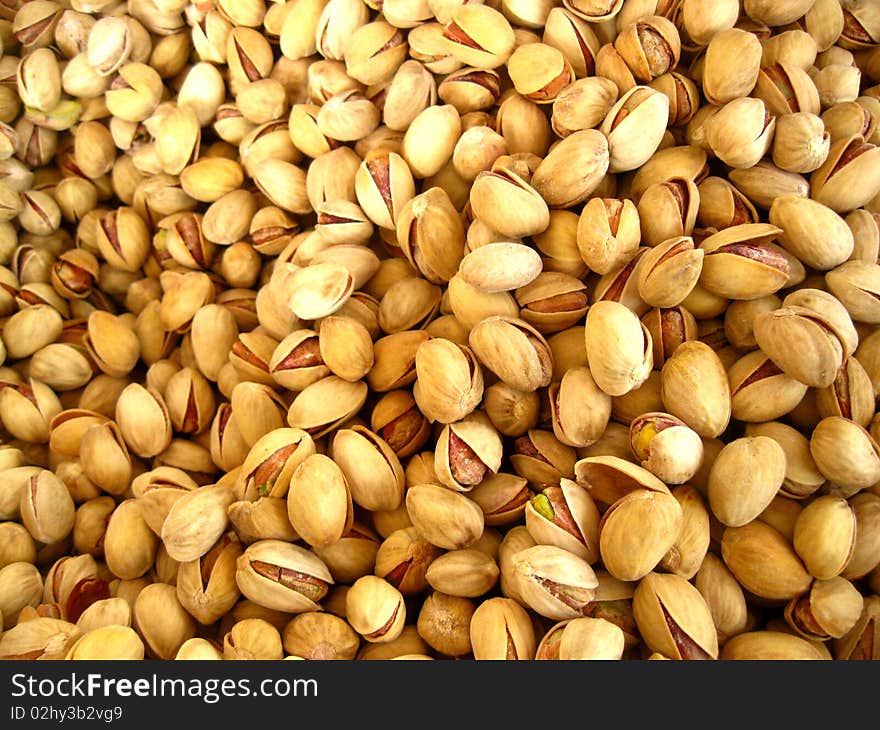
467	451
282	576
383	185
271	462
674	618
554	582
501	629
565	516
740	262
666	446
760	391
479	36
502	497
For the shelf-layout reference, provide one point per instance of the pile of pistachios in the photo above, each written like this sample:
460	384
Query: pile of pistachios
431	329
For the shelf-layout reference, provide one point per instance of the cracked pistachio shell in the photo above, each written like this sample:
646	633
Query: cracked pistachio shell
741	132
554	582
580	408
539	72
509	204
741	263
502	629
319	503
374	474
206	586
445	518
619	348
669	209
637	531
856	284
760	391
375	609
112	343
849	178
143	420
573	169
196	521
267	469
860	642
666	446
811	231
39	638
764	562
802	343
46	508
479	36
467	451
282	576
674	618
514	350
264	519
565	516
608	233
669	272
694	387
383	185
763	645
297	362
634	127
745	476
156	490
610	478
825	536
650	47
582	638
431	235
326	404
830	609
502	497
